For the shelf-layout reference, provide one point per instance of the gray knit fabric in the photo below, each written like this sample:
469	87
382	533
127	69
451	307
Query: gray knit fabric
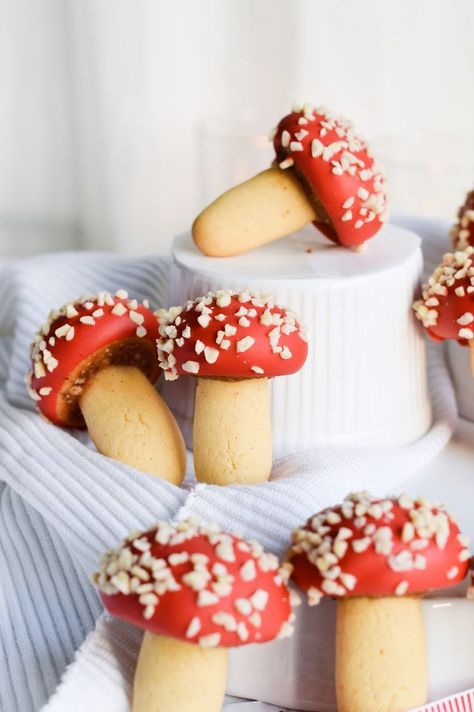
62	503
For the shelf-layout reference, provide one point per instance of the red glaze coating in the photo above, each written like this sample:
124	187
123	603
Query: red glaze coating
204	338
236	593
54	357
373	547
462	233
339	171
447	307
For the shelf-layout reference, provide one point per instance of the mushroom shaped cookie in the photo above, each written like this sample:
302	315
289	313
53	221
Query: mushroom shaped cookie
376	557
94	364
233	342
324	173
446	309
462	233
196	591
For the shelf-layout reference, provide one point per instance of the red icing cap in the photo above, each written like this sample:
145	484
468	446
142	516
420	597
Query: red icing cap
198	584
233	335
378	547
337	169
123	331
447	307
462	233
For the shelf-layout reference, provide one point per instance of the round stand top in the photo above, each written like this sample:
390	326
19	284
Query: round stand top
305	254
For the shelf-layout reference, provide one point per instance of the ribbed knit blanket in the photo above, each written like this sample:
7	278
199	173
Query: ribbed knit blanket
62	504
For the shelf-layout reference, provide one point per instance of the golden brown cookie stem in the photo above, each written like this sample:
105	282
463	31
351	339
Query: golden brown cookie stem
268	206
471	349
381	663
232	432
173	676
128	421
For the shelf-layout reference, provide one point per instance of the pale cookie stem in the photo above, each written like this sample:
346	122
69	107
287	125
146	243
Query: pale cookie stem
471	348
232	438
128	421
381	662
270	205
173	676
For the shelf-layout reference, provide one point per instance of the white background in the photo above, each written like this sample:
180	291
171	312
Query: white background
100	101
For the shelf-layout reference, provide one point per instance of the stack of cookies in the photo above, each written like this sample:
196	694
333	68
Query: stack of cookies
305	243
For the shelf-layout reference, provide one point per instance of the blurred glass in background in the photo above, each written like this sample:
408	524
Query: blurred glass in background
230	151
427	174
121	119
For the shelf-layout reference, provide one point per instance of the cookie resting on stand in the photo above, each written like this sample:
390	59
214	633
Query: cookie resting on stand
446	309
94	364
196	591
233	342
323	173
376	557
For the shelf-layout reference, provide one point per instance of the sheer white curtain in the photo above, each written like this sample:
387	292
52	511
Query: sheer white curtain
98	117
148	71
37	149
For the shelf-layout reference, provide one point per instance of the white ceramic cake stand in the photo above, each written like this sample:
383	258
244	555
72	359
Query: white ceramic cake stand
298	672
364	382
